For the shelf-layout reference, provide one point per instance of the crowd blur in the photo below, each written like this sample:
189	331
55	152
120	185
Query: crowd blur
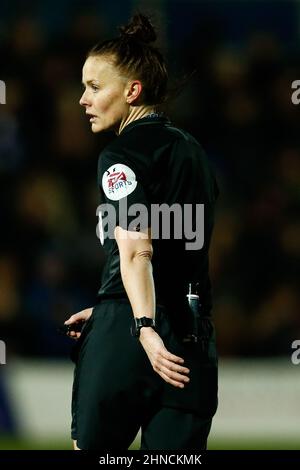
236	101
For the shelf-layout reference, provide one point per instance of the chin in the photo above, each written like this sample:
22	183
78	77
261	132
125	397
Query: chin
96	128
100	128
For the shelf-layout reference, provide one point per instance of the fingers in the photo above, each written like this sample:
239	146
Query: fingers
74	318
72	331
75	322
174	367
74	334
171	362
83	315
174	375
172	357
171	371
169	366
171	381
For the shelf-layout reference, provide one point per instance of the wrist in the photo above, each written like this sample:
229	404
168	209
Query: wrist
144	332
142	323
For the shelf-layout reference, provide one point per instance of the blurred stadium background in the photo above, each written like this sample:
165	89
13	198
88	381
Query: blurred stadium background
238	104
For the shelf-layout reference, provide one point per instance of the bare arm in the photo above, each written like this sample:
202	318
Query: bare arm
136	251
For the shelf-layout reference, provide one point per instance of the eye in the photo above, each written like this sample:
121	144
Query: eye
94	87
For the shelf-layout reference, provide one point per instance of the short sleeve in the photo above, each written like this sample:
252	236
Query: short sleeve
122	187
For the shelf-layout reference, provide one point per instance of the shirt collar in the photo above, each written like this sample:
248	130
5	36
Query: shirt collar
152	118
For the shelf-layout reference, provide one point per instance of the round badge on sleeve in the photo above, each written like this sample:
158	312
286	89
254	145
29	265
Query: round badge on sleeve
118	181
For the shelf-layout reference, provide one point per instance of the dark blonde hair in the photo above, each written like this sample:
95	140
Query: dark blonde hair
137	58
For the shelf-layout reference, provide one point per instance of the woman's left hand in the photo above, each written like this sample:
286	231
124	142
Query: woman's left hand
166	364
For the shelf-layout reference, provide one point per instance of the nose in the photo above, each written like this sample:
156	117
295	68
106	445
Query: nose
84	100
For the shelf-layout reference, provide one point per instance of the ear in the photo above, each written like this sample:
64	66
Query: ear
133	91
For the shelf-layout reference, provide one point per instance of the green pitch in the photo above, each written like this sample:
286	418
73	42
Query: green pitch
18	444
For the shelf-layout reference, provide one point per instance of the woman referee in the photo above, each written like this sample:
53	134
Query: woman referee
137	366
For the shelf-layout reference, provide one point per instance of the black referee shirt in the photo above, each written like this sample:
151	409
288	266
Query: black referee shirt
152	163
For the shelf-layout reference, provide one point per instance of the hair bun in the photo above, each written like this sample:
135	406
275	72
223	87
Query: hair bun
139	29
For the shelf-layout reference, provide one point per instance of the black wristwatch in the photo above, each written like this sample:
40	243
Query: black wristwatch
139	323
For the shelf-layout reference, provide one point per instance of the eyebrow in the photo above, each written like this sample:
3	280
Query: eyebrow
89	82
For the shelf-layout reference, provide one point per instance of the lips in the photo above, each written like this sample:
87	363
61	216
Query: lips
92	117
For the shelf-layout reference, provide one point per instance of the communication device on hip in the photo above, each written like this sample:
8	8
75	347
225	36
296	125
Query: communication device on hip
193	300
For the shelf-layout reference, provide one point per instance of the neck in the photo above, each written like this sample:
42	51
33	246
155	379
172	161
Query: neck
135	112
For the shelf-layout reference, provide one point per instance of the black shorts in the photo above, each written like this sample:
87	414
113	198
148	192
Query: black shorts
116	392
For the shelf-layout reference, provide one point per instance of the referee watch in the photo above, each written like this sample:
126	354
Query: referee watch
139	323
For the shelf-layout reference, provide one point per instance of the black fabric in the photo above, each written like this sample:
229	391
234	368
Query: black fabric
114	384
172	429
116	391
170	167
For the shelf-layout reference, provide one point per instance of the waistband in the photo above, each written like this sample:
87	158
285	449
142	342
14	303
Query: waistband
120	300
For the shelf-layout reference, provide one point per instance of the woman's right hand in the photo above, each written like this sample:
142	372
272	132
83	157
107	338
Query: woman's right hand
81	316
